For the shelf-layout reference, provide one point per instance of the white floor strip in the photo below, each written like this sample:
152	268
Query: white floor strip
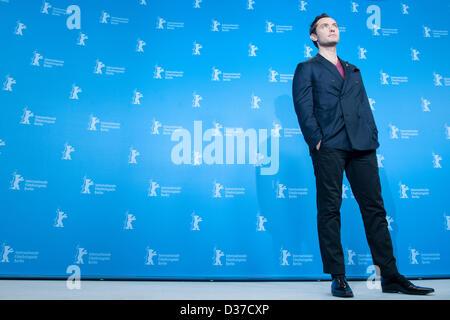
198	290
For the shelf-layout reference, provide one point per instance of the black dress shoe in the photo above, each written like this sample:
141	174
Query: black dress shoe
399	283
340	288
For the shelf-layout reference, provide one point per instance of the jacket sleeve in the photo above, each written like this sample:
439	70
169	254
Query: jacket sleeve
303	103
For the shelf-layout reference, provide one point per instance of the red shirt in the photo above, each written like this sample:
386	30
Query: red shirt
340	69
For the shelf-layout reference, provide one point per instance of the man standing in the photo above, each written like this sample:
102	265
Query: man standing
337	123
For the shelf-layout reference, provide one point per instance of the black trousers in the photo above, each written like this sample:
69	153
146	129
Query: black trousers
361	168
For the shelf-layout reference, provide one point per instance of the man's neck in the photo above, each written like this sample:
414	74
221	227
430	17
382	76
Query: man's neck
329	53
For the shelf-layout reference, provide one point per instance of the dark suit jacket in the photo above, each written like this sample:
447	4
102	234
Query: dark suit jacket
322	100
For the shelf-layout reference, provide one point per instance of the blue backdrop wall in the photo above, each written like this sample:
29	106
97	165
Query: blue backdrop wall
158	139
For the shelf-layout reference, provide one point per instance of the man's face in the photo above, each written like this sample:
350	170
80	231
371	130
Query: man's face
327	33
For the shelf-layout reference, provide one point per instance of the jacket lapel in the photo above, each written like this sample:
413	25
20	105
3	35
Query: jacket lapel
340	83
347	72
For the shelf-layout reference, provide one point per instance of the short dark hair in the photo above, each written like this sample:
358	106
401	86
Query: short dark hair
312	28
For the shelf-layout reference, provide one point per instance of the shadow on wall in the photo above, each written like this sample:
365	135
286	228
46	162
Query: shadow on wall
292	220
